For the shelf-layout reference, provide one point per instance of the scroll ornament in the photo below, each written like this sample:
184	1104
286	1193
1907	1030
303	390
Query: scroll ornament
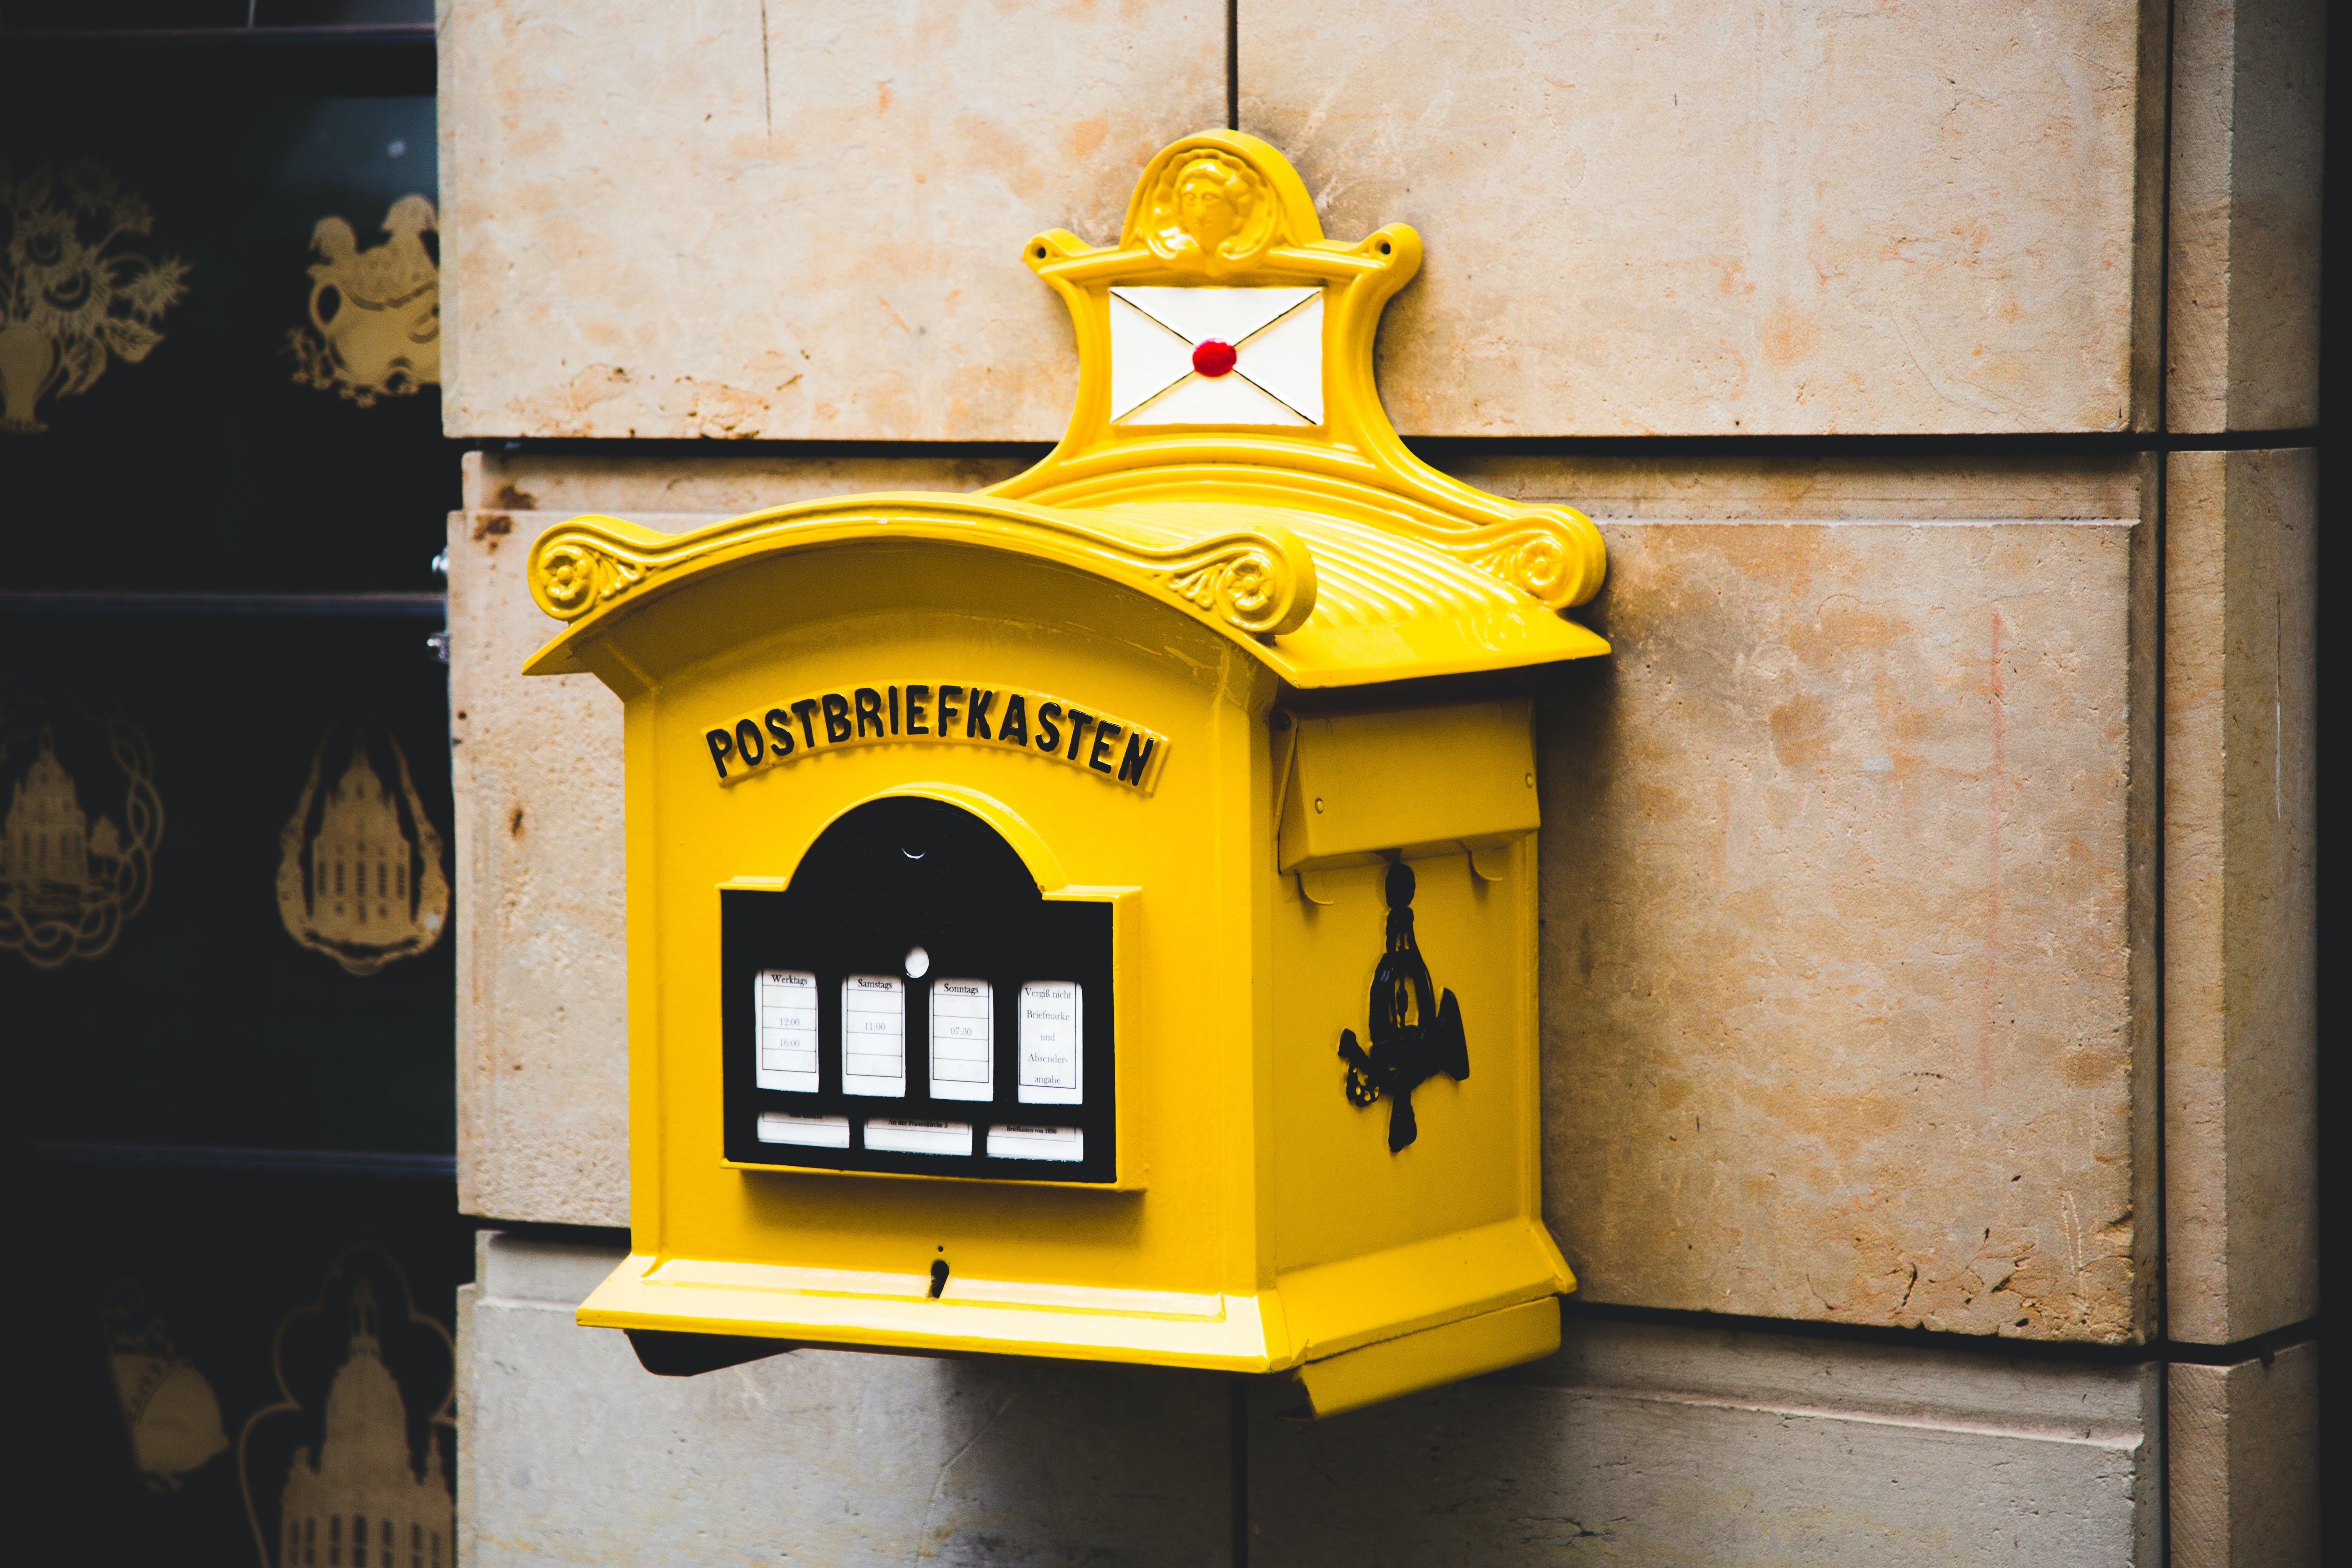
1243	584
574	576
1259	583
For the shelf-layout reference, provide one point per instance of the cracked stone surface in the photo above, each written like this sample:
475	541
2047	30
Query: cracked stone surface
574	1452
1654	1445
1739	220
1842	899
788	221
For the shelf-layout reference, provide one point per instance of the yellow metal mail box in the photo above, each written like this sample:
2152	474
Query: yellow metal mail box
1072	919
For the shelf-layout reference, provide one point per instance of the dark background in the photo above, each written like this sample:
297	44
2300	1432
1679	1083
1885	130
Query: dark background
2334	1071
215	1133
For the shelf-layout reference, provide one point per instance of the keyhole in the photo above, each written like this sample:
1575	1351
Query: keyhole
939	1277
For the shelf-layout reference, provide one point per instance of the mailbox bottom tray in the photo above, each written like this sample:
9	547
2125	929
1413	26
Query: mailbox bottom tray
1455	1302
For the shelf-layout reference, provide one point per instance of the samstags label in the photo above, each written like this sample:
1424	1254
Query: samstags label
913	713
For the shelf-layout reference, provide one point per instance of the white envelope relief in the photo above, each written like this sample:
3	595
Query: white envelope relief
1275	374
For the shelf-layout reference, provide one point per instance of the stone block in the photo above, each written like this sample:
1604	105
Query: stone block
1847	920
573	1452
2241	860
543	1043
2243	1447
1682	1445
2242	335
741	219
1728	219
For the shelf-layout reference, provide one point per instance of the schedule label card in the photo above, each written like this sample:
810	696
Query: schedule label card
963	1039
1009	1141
1052	1025
874	1035
787	1003
809	1132
910	1137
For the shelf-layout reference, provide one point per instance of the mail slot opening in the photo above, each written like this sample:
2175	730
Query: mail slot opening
910	1004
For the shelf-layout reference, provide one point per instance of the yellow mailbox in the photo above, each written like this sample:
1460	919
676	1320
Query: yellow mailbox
1096	917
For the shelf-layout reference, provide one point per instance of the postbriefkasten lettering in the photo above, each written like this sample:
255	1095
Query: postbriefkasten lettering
913	711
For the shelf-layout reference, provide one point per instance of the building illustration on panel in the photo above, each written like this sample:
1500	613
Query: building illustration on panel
359	842
68	876
360	875
48	845
361	1502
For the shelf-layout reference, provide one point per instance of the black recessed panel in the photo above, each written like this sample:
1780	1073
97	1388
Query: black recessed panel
190	802
175	420
819	961
192	1325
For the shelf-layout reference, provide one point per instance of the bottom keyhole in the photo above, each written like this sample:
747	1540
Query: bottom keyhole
939	1277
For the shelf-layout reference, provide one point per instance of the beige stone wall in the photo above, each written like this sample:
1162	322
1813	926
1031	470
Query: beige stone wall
1730	219
2244	1461
1839	1013
2240	832
1636	1444
797	222
2243	313
574	1454
793	221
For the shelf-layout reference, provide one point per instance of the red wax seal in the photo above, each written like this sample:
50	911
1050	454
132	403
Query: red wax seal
1212	357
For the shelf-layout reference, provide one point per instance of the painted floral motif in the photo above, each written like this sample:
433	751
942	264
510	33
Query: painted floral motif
72	295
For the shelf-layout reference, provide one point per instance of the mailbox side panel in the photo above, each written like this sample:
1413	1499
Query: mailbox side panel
1369	1242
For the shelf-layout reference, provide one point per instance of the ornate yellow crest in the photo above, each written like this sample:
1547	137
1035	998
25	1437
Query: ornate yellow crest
376	314
1207	210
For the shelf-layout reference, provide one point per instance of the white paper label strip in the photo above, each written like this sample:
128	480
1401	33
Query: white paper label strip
874	1035
1037	1144
808	1132
1053	1023
787	1003
918	1137
963	1039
